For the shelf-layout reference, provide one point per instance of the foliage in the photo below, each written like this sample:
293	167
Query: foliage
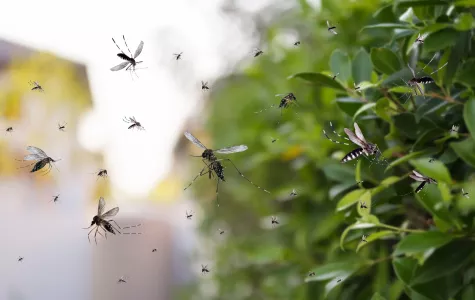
417	246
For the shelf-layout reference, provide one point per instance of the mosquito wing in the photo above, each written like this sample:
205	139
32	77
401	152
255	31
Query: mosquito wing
120	66
100	207
232	149
139	50
33	157
417	176
111	212
37	151
358	132
328	24
194	140
353	138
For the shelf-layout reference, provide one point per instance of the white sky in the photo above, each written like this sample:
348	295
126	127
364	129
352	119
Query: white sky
166	93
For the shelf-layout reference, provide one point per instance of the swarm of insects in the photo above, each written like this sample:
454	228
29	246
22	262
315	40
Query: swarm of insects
41	158
36	86
331	28
62	127
178	55
9	130
204	269
135	124
366	148
204	85
258	52
424	180
213	164
189	215
55	198
130	61
100	221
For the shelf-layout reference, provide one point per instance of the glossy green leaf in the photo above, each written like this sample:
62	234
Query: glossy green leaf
465	74
464	22
361	67
366	198
364	108
404	268
469	116
349	105
407	158
440	40
319	79
465	150
445	261
435	169
420	242
355	226
466	3
374	237
349	199
340	63
385	61
431	199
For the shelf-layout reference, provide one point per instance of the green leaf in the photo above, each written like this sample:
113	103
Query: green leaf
349	105
416	3
386	26
340	63
338	172
465	74
404	268
435	169
464	22
349	199
444	261
466	3
335	270
357	225
440	40
362	67
431	199
374	237
377	296
407	158
465	150
420	242
469	115
319	79
385	61
366	197
364	108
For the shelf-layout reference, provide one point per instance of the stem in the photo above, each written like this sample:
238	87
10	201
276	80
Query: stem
389	96
446	98
400	229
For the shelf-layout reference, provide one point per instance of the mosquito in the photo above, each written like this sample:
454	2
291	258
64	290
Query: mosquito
204	85
20	258
9	130
221	231
41	158
334	76
297	43
102	173
62	127
154	250
339	280
416	82
366	148
274	140
454	130
189	215
258	52
331	28
274	221
213	164
357	88
419	177
130	61
432	159
100	221
420	39
55	198
465	194
286	101
36	86
204	269
121	280
363	238
178	55
363	205
135	124
310	274
293	193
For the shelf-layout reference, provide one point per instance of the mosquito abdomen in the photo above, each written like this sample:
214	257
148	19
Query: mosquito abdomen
425	80
124	57
352	155
109	227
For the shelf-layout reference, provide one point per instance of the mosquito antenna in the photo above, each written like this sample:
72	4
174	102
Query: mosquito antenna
117	46
428	63
439	68
123	36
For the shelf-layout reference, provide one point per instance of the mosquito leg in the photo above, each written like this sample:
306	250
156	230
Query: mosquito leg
272	106
89	233
199	175
95	234
242	175
123	36
117	46
115	224
217	192
27	166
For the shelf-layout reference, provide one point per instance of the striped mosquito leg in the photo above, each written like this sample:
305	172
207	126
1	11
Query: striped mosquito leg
262	110
242	175
336	142
134	226
114	223
340	136
199	175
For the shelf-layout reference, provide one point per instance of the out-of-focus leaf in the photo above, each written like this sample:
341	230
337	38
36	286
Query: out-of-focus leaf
349	199
440	40
361	66
469	116
377	296
338	172
385	61
404	268
464	22
444	261
341	269
406	158
465	150
357	225
381	110
431	199
386	26
465	74
340	63
349	105
416	3
467	3
374	237
319	79
364	108
435	169
420	242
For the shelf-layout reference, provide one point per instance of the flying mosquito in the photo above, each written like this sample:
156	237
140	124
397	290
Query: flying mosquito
204	269
121	280
363	205
331	28
454	129
339	280
100	221
55	198
221	231
274	221
9	130
178	55
20	258
274	140
154	250
36	86
213	164
419	177
102	173
417	82
357	88
258	52
432	159
310	274
297	43
134	122
465	194
62	127
189	215
204	85
293	193
130	61
286	101
420	39
41	158
366	148
334	76
363	238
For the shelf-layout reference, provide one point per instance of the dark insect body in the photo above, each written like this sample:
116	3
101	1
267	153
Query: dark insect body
20	259
189	215
36	86
331	28
465	194
366	148
100	221
339	280
286	101
420	39
213	164
204	85
334	76
363	205
130	61
62	127
41	158
221	231
102	173
310	274
121	280
297	43
274	221
258	52
293	193
424	180
9	130
55	198
134	122
154	250
178	55
363	238
204	269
